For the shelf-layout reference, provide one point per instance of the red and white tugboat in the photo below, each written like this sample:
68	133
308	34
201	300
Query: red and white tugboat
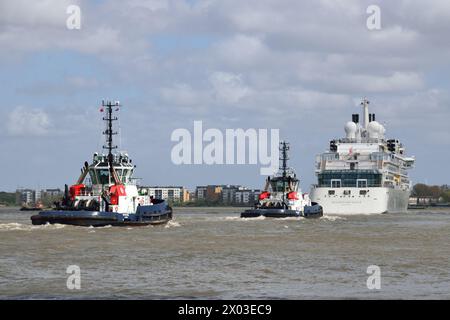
111	197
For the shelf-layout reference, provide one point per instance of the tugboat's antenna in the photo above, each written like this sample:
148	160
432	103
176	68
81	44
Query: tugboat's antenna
109	133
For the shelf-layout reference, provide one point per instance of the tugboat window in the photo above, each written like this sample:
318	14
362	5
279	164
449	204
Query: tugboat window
279	186
103	176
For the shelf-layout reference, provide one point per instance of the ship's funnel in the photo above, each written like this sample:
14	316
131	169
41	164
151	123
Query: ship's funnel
365	104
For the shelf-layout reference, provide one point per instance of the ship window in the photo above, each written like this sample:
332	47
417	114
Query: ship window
362	192
347	192
361	183
348	179
331	192
335	183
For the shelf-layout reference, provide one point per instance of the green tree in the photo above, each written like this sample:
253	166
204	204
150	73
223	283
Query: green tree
7	198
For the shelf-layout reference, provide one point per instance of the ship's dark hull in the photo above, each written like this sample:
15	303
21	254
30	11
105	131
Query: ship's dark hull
310	212
146	215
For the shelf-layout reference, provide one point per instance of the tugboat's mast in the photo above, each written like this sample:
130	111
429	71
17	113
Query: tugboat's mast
284	147
109	133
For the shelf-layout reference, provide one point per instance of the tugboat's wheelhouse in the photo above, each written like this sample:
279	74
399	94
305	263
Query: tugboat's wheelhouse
99	172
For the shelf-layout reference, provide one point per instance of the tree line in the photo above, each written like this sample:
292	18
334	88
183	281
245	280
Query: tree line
422	190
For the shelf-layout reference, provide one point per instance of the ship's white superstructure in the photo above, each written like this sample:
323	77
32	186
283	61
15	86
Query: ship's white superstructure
363	173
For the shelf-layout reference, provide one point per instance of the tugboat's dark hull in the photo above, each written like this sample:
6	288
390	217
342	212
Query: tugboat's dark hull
146	215
30	209
310	212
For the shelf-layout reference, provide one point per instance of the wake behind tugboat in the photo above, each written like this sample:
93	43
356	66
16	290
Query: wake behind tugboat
282	197
111	197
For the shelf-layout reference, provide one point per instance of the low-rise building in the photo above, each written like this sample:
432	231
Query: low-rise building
171	193
213	193
52	192
25	196
200	193
31	196
246	196
229	193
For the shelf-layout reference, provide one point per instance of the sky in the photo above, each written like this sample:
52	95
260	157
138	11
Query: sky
298	66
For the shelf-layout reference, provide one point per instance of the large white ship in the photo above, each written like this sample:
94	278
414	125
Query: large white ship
363	173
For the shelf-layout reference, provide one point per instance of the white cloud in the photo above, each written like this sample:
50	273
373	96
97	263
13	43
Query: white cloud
35	14
28	122
228	88
241	50
182	94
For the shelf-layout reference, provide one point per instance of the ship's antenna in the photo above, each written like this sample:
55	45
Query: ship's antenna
109	133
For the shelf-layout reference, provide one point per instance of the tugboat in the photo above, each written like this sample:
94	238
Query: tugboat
282	197
36	207
110	196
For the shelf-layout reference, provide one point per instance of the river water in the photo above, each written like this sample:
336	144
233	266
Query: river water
210	253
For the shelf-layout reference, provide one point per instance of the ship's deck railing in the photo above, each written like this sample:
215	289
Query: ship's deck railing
372	157
89	194
360	140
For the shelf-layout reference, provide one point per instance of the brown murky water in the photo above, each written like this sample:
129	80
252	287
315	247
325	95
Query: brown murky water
210	253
